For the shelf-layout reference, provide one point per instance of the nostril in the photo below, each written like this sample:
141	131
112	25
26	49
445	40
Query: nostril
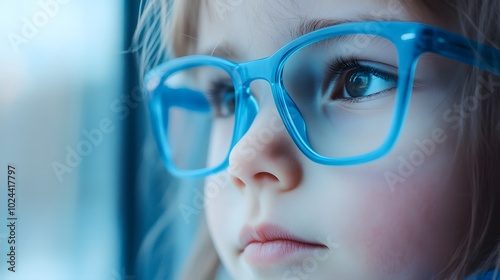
238	182
262	176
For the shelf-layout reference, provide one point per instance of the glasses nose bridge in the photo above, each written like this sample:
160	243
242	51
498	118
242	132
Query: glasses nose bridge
248	72
261	69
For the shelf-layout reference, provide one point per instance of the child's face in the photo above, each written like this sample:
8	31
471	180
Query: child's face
358	221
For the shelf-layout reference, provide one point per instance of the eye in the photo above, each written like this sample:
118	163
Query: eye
227	104
352	81
222	97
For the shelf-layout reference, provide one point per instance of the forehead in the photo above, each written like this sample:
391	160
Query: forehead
244	29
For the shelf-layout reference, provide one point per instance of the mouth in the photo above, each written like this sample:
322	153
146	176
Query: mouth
268	243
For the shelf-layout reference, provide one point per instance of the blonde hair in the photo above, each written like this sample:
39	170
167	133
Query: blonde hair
169	29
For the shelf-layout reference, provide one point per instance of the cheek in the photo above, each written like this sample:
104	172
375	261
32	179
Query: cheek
391	239
221	211
216	201
414	228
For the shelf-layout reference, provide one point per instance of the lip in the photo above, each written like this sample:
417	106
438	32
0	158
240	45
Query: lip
269	243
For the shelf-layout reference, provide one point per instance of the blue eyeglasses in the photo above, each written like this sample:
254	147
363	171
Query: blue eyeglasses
342	93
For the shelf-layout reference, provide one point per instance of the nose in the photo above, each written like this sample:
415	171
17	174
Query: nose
266	156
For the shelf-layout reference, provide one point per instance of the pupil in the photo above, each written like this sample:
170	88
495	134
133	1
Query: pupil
358	84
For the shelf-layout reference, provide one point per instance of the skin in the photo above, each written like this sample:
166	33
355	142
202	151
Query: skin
372	230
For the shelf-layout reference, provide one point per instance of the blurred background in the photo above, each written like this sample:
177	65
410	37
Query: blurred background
72	122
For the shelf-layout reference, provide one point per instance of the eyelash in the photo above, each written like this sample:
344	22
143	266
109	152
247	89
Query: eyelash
340	66
215	94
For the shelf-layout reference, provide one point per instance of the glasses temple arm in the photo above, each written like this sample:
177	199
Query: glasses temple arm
467	51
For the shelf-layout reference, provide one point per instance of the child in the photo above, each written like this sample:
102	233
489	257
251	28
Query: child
338	139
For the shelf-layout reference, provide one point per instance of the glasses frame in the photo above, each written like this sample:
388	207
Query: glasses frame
411	40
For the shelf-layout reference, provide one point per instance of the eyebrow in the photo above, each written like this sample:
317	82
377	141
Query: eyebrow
308	26
229	51
223	49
